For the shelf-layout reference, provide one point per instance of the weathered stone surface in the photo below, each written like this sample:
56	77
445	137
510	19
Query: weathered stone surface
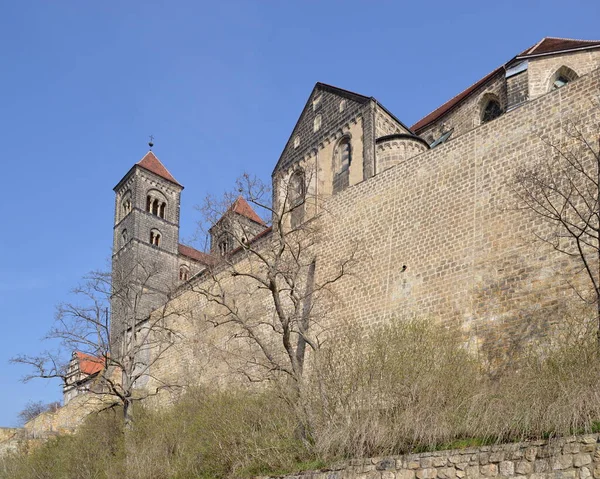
472	472
496	456
541	465
446	473
585	473
386	464
427	473
413	464
507	468
405	474
571	448
561	462
581	459
440	461
530	453
524	467
388	475
489	470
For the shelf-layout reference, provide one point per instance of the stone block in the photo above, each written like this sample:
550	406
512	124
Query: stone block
405	474
531	453
440	461
413	464
446	473
388	475
497	456
571	448
524	467
585	473
427	473
386	464
426	462
541	465
472	472
507	468
581	459
561	462
489	470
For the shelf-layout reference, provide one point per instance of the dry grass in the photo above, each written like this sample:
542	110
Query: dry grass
411	386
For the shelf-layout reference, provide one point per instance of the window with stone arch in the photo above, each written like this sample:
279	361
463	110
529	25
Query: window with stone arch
491	108
561	77
126	204
297	197
184	273
155	237
124	238
156	203
224	244
342	159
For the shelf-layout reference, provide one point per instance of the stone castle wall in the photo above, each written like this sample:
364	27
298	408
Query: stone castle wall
576	457
439	238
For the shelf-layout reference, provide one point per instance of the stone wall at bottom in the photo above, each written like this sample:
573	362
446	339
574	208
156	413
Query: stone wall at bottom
574	457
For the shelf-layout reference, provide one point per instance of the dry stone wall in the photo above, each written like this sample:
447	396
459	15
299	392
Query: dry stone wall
576	457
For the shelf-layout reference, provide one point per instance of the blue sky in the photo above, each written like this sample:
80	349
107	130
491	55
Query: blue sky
220	86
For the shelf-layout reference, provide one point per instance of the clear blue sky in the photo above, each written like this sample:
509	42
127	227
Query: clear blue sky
220	86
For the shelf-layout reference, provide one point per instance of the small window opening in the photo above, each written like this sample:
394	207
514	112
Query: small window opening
123	237
342	105
317	123
156	206
492	111
297	197
224	245
342	158
184	273
126	206
155	238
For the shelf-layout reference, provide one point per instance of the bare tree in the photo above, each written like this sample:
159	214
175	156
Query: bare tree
562	189
34	408
267	290
125	362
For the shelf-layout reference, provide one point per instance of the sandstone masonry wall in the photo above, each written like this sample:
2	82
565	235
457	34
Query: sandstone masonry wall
576	457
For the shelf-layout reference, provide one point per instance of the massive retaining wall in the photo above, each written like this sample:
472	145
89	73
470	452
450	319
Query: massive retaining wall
576	457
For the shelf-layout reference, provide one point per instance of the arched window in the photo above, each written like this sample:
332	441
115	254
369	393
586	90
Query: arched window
491	110
126	204
297	197
184	273
342	158
156	203
224	244
124	238
317	123
155	237
561	77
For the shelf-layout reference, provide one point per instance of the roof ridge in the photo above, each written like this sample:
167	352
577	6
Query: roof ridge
480	81
528	52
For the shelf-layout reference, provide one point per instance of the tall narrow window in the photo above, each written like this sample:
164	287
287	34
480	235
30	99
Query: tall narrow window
156	204
297	197
126	204
184	273
224	244
123	238
342	158
155	237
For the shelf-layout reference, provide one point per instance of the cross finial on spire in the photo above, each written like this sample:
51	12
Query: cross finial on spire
151	142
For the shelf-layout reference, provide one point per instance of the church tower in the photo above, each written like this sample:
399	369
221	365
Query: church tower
145	242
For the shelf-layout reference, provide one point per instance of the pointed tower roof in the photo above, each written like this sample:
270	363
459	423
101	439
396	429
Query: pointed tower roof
151	163
241	207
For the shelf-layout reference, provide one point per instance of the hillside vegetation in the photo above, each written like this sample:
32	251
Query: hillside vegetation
411	387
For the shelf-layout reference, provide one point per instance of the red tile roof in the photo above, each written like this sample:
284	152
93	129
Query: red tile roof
547	45
554	45
89	364
241	207
194	254
438	112
151	163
